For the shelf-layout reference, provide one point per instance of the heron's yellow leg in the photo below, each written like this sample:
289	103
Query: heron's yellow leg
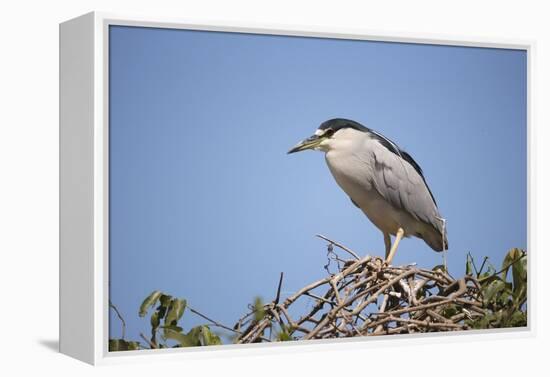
398	237
387	242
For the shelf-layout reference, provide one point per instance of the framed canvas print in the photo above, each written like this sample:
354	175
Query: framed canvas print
240	189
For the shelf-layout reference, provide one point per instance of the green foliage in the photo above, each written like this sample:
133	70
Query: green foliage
285	334
123	345
164	319
469	264
259	310
149	301
175	311
504	300
197	336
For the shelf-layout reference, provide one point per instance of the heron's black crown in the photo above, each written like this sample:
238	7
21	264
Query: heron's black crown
340	123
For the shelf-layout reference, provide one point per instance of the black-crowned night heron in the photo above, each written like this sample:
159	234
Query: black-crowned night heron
382	180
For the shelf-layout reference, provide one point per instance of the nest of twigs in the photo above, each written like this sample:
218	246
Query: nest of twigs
366	297
358	297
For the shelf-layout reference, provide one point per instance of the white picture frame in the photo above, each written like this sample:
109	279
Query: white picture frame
84	187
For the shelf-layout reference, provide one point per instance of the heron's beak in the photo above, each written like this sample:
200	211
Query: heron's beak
309	143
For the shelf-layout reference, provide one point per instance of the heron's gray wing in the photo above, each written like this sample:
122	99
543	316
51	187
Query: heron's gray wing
401	184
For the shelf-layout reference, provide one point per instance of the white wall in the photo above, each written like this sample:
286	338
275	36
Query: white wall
29	171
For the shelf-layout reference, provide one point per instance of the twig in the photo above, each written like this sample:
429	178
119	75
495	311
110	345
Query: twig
279	290
119	317
213	322
524	254
151	344
485	259
339	245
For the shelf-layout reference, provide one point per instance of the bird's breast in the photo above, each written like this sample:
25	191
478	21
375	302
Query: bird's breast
352	174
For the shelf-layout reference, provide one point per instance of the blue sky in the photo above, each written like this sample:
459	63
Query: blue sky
206	205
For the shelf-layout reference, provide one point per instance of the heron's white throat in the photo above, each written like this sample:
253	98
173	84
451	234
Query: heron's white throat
344	139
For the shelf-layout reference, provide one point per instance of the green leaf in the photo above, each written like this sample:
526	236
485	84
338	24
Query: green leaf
494	288
184	340
469	267
516	260
198	336
510	257
519	274
155	320
439	267
194	336
117	345
132	346
449	311
207	337
175	311
165	300
487	278
491	270
518	319
283	336
259	311
285	333
149	302
173	328
163	306
122	345
481	323
504	297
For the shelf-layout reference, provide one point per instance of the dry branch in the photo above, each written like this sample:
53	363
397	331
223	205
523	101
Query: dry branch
366	297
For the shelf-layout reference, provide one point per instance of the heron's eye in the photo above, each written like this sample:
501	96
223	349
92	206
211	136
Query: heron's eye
329	132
